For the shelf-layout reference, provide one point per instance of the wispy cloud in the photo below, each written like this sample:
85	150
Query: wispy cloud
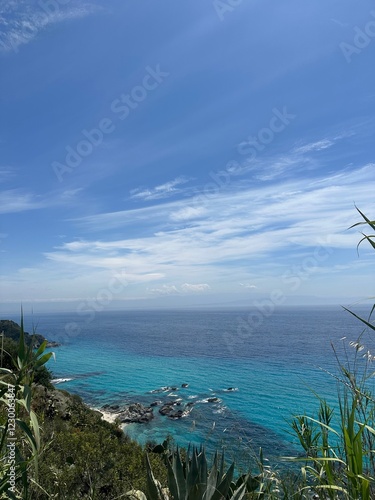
270	169
265	167
248	285
70	193
20	200
14	200
239	209
239	236
187	213
199	288
164	290
161	191
5	173
186	288
21	21
340	23
315	146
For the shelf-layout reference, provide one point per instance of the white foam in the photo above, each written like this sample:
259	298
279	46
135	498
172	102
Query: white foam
61	380
220	410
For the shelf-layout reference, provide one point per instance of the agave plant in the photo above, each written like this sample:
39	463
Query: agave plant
192	479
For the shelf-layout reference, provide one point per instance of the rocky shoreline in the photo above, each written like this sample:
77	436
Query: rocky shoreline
171	407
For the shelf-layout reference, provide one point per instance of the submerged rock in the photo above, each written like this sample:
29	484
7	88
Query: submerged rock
176	414
184	385
52	343
113	407
167	408
156	403
162	389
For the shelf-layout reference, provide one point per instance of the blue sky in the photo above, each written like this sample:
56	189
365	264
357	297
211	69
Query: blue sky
171	154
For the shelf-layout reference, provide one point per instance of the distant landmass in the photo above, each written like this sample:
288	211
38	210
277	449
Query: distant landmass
12	330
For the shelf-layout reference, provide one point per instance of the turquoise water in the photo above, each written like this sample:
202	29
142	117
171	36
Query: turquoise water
272	361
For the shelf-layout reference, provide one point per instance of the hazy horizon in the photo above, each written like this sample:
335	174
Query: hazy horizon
85	307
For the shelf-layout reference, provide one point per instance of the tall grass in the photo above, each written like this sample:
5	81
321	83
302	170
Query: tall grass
339	453
25	434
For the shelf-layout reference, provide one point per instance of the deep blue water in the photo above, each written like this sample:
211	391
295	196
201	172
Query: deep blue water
273	359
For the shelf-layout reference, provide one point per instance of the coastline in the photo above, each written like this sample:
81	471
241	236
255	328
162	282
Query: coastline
109	416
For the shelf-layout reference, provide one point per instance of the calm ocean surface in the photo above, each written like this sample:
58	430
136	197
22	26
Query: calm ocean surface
273	361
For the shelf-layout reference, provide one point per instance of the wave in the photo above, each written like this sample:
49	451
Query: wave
220	410
209	400
60	380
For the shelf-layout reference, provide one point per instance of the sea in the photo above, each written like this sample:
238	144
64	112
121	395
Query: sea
246	372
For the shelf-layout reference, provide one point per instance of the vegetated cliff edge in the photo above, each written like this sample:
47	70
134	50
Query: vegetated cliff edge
81	456
12	330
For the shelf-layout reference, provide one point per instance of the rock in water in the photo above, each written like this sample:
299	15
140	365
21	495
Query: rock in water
176	414
136	413
156	403
166	409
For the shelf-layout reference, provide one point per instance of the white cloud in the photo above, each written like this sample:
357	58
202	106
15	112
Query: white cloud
17	200
272	169
22	21
268	168
13	200
186	288
314	146
70	193
250	232
202	287
248	211
187	213
161	191
248	285
164	290
241	236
